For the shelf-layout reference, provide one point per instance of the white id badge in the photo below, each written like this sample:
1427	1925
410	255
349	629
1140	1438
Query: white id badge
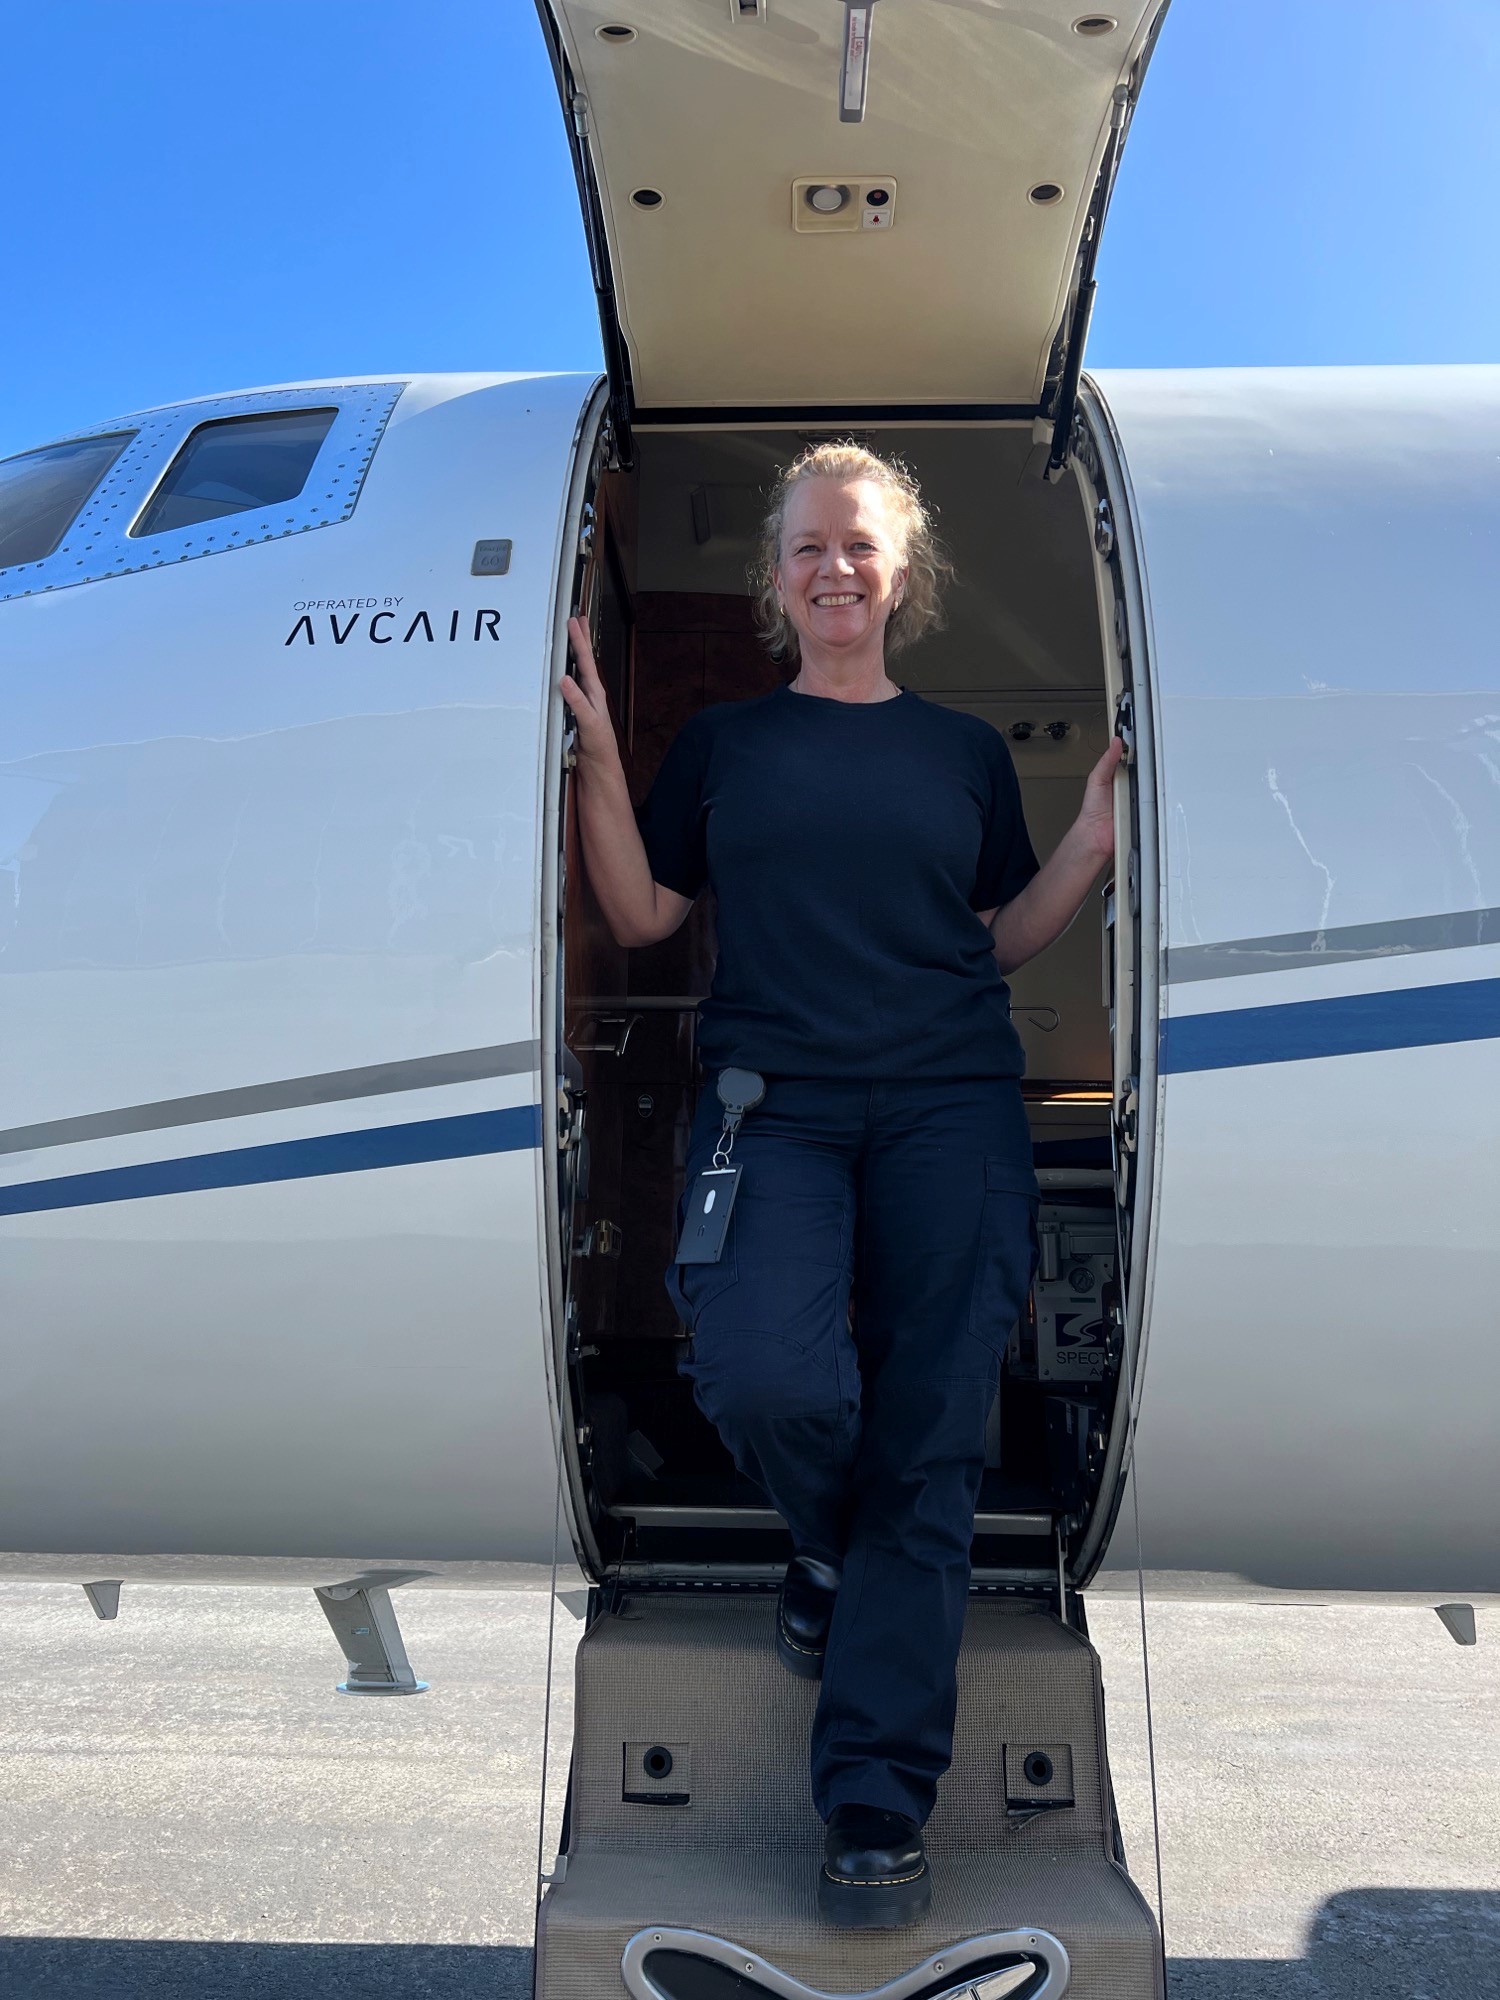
706	1223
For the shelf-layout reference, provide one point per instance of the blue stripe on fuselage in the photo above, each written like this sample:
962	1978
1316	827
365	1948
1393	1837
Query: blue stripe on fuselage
1411	1017
407	1145
1296	1031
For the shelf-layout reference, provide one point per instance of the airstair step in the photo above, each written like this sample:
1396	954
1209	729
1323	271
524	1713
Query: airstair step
691	1809
767	1902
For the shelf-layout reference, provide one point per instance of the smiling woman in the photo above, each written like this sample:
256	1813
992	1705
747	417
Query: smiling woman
1023	671
874	881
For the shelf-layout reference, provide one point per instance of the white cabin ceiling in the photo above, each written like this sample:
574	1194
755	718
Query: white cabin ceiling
722	303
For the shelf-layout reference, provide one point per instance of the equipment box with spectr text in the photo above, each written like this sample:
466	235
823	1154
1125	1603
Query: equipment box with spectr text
1077	1260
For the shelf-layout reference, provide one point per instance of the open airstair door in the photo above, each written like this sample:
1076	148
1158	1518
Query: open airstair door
771	264
794	206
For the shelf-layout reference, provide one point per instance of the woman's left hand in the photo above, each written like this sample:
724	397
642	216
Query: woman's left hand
1096	816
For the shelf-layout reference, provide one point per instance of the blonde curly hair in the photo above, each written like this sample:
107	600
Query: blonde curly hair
928	567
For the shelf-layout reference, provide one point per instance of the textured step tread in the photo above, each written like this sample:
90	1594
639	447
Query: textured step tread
767	1902
704	1673
699	1674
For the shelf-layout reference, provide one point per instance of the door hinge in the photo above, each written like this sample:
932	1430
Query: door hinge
601	1239
579	106
1127	1113
1066	401
1104	527
586	532
570	1111
1124	724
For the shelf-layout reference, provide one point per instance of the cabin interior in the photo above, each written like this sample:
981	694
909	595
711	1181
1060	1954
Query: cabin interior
1026	646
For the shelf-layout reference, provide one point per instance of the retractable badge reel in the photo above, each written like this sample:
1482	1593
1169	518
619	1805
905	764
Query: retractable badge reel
706	1224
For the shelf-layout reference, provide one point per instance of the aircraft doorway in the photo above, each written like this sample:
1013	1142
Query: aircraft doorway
1044	641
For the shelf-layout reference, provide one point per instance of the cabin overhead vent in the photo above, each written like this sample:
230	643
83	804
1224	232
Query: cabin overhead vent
829	206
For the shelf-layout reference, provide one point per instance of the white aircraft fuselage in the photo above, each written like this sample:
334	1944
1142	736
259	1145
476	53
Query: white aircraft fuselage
295	1217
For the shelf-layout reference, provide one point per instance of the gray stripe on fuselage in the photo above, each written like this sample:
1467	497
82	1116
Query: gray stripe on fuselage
334	1087
1296	949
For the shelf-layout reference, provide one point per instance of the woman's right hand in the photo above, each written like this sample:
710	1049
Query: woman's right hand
585	696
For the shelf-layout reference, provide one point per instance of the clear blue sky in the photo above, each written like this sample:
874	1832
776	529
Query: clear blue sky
209	194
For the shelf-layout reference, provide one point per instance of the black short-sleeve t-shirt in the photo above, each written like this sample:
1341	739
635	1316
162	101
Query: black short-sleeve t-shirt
849	846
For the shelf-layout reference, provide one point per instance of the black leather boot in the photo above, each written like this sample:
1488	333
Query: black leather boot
875	1872
804	1611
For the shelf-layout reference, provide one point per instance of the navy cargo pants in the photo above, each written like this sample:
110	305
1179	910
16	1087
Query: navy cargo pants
919	1196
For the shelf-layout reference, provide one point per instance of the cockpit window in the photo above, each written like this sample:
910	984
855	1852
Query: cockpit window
41	493
234	465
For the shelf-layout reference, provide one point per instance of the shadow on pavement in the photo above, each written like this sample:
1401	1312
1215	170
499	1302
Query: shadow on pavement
41	1968
1366	1944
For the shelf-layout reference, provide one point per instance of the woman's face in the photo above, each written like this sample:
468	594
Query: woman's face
841	567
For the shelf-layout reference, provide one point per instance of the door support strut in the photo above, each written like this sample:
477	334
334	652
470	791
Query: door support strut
1083	302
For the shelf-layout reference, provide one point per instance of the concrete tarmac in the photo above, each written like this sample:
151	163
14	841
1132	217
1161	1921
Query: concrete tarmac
191	1810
